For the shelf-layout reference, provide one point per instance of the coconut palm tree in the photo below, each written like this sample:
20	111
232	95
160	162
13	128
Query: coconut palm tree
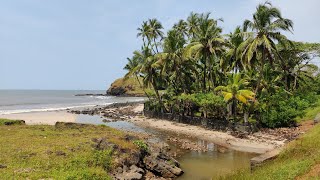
235	40
144	32
207	46
193	23
181	27
155	31
135	64
235	92
171	59
266	28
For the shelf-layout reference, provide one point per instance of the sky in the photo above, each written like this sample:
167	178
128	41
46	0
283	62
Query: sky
83	44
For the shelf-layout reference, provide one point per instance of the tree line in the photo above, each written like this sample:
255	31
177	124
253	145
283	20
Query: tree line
253	74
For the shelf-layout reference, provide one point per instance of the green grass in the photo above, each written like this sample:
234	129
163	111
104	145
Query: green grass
296	160
42	152
10	122
311	112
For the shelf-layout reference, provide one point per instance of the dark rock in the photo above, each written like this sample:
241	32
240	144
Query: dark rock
130	174
160	165
116	91
2	166
90	95
103	144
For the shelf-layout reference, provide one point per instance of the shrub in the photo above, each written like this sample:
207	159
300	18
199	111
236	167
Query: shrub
141	145
281	109
211	105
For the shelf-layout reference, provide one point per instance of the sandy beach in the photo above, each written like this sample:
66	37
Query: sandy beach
45	118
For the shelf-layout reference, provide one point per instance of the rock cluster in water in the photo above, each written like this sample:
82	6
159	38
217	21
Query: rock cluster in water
117	111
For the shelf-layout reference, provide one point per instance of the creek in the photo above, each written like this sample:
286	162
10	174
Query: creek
216	161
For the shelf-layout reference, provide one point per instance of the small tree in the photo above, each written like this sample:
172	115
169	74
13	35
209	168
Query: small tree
234	92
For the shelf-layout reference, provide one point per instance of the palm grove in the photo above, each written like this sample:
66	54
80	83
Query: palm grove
254	74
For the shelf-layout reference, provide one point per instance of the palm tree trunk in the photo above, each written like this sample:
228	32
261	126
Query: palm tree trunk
204	76
261	71
157	93
154	40
246	117
142	87
234	107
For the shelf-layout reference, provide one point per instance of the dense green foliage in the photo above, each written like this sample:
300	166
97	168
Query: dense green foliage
261	75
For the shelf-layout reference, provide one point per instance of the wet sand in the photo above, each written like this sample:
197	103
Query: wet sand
221	138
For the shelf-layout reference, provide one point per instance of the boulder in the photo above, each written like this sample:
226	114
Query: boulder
134	173
162	165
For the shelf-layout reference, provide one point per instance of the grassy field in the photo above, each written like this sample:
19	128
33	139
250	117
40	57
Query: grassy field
41	152
299	160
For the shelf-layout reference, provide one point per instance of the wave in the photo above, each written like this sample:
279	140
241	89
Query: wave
17	111
101	97
57	107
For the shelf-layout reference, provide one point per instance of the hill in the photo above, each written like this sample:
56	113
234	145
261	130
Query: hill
125	87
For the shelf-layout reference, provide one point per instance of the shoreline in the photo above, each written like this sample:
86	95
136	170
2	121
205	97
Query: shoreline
258	142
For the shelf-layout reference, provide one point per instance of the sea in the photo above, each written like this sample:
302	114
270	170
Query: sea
21	101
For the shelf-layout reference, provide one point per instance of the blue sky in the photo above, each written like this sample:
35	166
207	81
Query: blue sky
83	44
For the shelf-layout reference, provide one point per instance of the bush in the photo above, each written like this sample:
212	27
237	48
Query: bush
281	109
141	145
211	105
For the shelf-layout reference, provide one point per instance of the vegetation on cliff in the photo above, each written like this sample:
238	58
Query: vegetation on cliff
126	87
261	75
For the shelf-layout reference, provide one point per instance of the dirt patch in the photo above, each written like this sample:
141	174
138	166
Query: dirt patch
313	173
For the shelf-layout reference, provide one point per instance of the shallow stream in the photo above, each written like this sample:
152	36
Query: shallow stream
215	162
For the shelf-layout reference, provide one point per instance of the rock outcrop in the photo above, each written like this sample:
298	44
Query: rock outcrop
154	162
125	87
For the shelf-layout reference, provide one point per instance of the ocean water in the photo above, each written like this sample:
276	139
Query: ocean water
19	101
